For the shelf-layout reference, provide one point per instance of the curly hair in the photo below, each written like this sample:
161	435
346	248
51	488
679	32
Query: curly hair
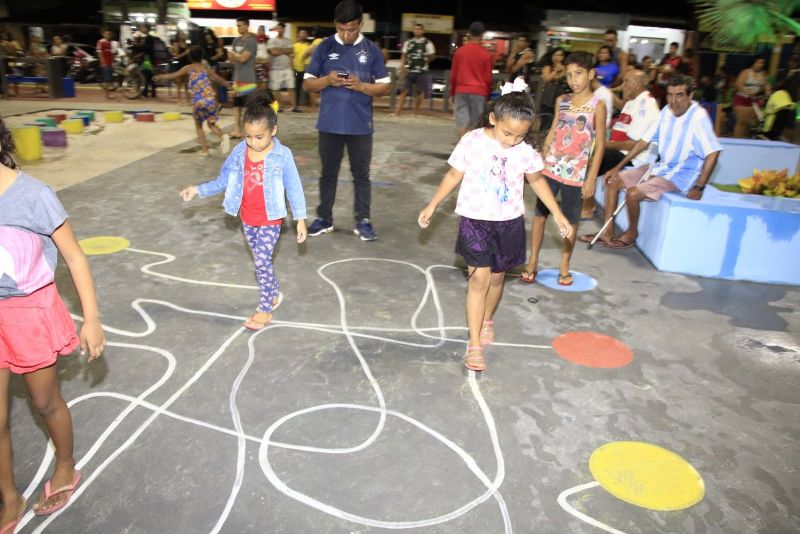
7	146
257	108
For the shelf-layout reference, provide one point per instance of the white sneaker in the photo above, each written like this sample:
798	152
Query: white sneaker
225	144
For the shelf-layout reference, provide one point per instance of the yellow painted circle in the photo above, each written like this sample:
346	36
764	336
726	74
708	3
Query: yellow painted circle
646	475
92	246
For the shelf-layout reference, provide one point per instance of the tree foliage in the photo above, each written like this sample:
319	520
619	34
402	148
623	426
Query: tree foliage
746	22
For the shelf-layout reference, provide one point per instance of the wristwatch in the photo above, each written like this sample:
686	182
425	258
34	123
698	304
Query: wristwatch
699	187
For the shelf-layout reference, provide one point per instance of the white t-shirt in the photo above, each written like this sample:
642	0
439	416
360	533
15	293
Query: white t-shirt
635	119
261	52
604	94
494	177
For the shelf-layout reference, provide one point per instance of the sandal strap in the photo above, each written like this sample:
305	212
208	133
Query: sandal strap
474	358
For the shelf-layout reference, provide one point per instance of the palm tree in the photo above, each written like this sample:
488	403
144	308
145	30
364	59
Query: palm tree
746	22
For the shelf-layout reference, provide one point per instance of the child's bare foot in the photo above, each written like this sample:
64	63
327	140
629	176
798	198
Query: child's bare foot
258	321
12	512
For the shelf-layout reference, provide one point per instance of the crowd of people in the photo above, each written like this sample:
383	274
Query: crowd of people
649	150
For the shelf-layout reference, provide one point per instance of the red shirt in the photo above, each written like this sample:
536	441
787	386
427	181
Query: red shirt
104	53
471	71
254	210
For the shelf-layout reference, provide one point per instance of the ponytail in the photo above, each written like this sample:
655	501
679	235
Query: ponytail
258	107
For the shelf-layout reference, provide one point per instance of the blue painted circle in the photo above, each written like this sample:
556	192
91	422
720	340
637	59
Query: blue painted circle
580	281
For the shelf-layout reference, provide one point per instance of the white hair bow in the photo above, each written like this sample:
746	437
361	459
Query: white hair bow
519	85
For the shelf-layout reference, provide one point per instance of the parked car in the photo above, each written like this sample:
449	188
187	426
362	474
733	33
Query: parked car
440	76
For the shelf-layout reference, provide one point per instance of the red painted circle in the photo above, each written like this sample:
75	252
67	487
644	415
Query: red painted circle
593	350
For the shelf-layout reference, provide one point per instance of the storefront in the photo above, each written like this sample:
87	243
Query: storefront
576	30
126	16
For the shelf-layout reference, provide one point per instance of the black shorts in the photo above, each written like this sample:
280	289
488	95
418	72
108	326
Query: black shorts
418	80
611	159
238	101
570	202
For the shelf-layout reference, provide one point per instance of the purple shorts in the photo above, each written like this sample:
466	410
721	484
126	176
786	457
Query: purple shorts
496	244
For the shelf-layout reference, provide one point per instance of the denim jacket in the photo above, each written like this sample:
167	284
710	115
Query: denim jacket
280	180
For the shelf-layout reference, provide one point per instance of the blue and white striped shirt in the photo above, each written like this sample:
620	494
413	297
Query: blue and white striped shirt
683	144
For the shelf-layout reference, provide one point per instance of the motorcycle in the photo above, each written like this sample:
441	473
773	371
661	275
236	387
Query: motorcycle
83	66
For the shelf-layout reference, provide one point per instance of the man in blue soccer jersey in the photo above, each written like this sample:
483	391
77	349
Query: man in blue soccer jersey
348	71
688	150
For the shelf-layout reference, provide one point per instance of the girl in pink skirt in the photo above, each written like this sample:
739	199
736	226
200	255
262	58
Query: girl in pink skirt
35	326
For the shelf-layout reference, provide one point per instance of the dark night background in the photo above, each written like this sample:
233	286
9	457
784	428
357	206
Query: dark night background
510	15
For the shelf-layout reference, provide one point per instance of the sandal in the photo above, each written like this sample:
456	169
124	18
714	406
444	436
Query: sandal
565	279
252	324
487	333
619	243
67	490
474	360
9	527
527	277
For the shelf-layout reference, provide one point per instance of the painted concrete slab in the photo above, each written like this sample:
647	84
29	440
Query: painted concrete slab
352	412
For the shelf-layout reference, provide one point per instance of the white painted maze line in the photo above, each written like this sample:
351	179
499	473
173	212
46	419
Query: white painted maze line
168	258
98	470
562	501
49	452
381	409
276	481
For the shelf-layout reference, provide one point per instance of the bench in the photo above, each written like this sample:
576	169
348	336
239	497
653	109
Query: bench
27	79
725	235
67	84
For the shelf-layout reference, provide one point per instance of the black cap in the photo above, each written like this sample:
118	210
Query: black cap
476	28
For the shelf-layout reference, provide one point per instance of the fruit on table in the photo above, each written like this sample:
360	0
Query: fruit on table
771	183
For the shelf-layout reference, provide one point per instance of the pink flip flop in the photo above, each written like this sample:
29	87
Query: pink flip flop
69	490
9	527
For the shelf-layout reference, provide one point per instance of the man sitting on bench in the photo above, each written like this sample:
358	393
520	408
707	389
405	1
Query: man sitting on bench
687	149
638	114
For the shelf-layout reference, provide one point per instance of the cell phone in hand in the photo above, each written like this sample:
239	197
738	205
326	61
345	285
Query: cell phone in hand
344	75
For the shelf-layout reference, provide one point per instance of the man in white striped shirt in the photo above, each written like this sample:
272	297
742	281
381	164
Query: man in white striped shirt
688	150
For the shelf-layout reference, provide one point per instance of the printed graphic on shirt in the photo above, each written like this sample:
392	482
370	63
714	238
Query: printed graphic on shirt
497	181
571	146
22	259
253	175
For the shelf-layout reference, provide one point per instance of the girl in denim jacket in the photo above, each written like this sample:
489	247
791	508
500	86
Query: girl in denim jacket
257	177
